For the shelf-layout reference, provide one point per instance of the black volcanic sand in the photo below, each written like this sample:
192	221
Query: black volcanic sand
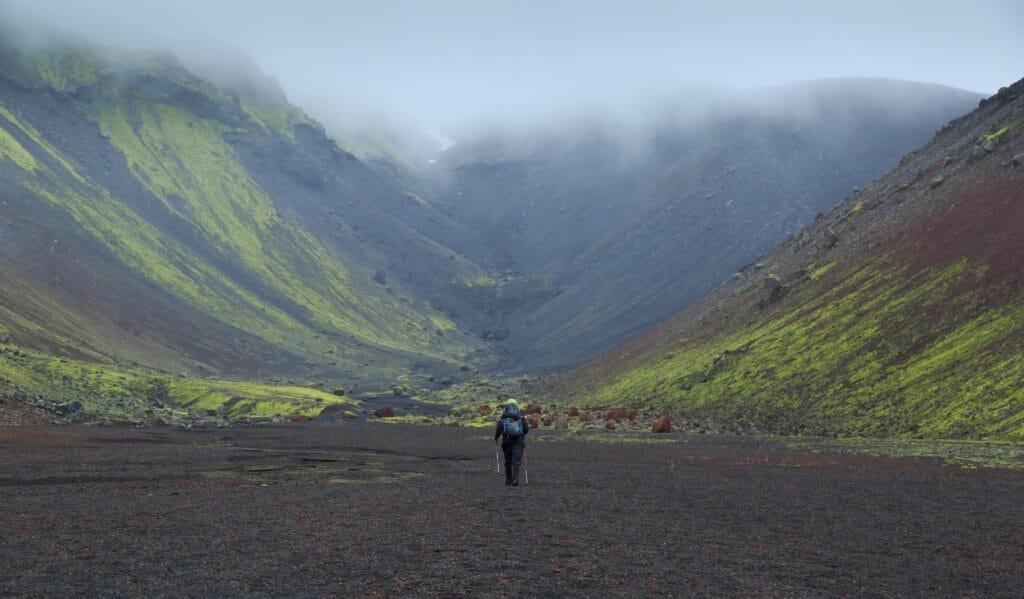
391	510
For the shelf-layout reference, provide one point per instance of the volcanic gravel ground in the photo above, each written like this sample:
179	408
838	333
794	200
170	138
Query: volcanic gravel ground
373	509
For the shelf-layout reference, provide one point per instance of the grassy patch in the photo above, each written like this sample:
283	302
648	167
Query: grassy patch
123	393
887	352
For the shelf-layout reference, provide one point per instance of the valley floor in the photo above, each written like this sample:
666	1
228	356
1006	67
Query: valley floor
374	509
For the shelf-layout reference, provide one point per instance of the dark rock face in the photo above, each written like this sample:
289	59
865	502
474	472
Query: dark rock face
829	239
386	412
774	290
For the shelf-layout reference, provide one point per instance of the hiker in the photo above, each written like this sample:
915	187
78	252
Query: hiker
512	429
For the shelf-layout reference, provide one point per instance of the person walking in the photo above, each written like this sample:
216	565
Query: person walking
512	429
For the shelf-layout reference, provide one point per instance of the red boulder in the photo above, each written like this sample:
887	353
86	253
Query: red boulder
621	414
663	425
387	412
532	409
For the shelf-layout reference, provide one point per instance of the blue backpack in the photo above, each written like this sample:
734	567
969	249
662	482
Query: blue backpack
512	423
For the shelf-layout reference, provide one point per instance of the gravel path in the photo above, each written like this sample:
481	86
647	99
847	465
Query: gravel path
391	510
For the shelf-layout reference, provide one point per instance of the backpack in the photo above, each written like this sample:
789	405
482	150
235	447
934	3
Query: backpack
512	422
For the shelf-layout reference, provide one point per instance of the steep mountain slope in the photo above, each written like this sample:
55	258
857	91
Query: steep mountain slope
155	218
899	312
624	227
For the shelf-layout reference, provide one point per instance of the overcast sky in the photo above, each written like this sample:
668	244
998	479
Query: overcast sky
440	62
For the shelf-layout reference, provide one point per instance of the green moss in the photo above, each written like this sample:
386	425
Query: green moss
820	271
129	393
275	118
11	150
886	352
285	285
65	70
998	134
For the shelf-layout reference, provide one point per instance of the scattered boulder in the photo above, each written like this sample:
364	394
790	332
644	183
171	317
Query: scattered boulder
5	337
380	278
386	412
989	145
340	392
663	425
936	181
349	414
301	418
533	409
977	153
1017	160
774	290
561	423
830	239
484	410
621	415
533	422
446	381
611	425
331	412
573	411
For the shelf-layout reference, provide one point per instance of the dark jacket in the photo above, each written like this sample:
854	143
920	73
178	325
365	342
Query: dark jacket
499	430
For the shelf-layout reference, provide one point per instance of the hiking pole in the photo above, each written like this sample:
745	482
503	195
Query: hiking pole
497	457
526	473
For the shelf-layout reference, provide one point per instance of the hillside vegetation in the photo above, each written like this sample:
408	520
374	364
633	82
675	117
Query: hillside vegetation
159	219
628	224
900	312
167	237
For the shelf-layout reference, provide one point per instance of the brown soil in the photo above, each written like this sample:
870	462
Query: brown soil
390	510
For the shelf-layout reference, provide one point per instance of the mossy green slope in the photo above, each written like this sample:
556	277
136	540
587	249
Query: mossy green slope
195	223
899	313
121	394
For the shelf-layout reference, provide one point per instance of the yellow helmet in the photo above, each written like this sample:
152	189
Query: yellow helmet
512	402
